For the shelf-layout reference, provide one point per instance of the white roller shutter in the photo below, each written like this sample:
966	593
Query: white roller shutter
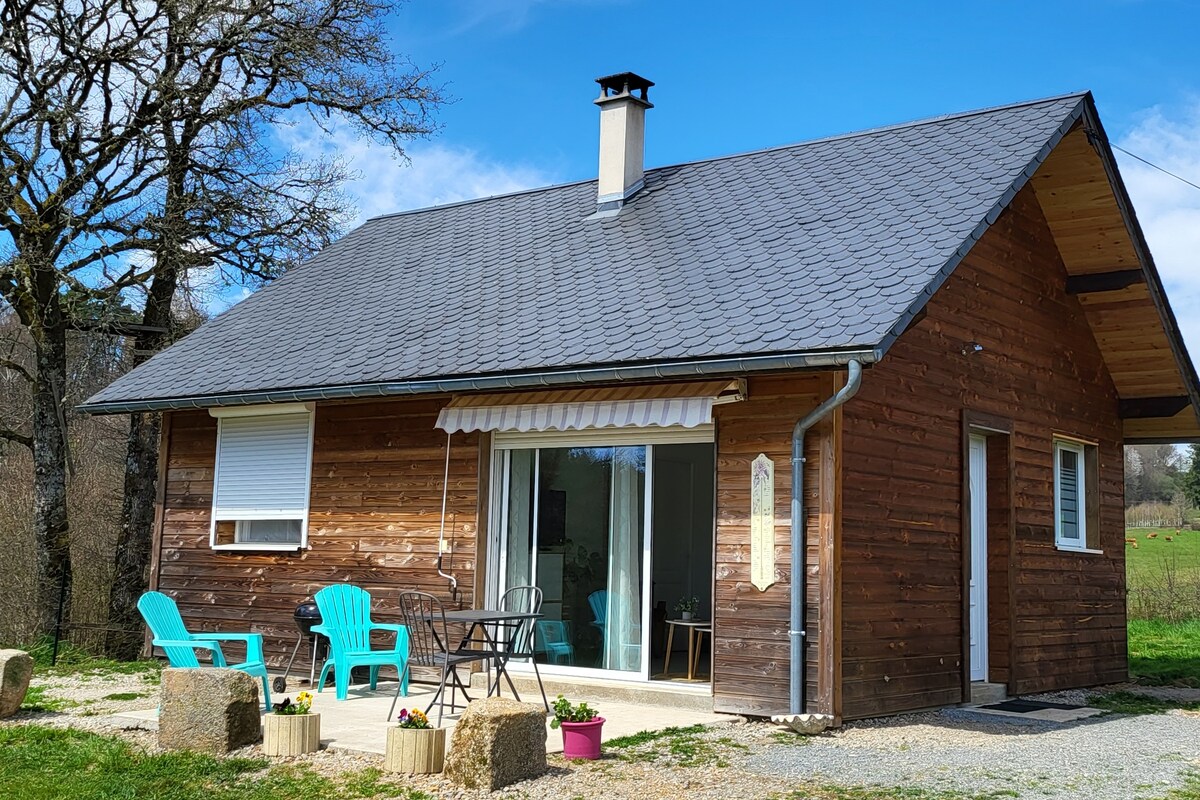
263	466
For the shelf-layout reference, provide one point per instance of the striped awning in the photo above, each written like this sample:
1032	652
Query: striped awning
687	412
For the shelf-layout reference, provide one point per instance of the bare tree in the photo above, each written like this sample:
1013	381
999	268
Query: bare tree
77	90
145	128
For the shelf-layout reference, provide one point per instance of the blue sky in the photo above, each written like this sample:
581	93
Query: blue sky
733	77
776	73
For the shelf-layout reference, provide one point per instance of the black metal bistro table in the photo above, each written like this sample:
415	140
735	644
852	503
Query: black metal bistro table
499	634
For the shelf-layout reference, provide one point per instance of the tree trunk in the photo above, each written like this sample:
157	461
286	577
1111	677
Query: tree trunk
131	573
51	531
131	576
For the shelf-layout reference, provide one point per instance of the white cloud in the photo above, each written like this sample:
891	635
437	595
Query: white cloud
502	17
1168	209
435	174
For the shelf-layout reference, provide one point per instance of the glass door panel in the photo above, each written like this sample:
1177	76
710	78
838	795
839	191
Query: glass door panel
519	508
622	630
584	549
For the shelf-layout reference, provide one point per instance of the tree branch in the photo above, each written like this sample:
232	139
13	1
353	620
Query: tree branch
17	368
13	436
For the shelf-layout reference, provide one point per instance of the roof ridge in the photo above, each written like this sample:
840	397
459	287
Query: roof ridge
746	153
882	129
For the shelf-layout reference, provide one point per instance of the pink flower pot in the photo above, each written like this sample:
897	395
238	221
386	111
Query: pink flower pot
582	739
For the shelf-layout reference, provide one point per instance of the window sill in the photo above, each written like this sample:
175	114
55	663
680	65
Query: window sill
1088	550
248	546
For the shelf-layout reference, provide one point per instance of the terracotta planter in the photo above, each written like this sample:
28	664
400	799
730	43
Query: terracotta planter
415	751
582	739
291	734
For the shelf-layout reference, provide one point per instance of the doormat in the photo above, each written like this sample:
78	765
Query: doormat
1029	706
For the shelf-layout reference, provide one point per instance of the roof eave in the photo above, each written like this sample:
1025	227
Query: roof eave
672	370
1158	295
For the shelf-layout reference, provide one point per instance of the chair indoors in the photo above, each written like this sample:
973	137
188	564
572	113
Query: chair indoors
430	646
346	623
166	626
520	639
554	639
598	601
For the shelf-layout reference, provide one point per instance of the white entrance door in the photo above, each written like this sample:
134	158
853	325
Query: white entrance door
977	470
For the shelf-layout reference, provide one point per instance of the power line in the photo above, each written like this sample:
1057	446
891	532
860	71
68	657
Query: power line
1156	166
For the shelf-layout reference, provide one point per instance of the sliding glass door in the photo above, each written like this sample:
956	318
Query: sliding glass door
576	527
578	516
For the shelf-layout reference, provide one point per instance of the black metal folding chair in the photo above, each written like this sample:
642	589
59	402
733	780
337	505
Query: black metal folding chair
430	646
519	642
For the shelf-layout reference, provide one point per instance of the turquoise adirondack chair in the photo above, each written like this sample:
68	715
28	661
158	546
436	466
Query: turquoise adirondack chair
346	622
166	626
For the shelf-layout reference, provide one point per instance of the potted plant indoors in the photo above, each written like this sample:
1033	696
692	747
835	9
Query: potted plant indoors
687	607
292	729
414	746
581	728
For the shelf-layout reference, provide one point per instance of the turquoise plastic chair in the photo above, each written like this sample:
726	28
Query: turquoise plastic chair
166	626
598	600
554	639
346	622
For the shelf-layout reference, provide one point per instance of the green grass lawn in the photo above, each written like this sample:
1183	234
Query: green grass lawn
1152	554
1163	576
1164	606
74	661
1165	653
57	763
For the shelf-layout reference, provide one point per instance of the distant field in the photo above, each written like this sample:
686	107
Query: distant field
1153	555
1164	587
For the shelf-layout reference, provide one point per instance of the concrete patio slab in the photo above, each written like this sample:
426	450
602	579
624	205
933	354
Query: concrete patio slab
359	724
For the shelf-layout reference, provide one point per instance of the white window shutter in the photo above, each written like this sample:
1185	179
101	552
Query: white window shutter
263	466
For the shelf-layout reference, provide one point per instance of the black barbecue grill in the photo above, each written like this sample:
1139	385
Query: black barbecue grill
306	616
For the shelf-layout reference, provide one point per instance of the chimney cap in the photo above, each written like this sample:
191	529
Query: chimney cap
624	84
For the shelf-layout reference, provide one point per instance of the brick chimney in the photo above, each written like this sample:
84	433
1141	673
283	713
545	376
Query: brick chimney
623	102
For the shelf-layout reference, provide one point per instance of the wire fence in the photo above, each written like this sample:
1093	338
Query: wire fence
101	634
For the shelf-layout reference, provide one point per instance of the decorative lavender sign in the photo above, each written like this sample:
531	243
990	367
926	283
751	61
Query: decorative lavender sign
762	522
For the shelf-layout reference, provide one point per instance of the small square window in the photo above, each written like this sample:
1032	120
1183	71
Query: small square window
268	531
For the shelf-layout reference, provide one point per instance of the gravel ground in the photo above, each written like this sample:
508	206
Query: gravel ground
1111	757
1104	758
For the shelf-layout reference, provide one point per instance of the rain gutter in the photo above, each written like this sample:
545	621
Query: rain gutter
510	381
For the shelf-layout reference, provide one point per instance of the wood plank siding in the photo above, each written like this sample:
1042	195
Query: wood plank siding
375	508
374	514
1057	618
751	670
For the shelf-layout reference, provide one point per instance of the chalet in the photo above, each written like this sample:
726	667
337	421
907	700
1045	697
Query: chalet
864	398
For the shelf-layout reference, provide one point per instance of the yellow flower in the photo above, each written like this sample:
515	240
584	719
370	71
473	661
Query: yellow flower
304	697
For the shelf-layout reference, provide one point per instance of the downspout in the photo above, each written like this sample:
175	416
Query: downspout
798	699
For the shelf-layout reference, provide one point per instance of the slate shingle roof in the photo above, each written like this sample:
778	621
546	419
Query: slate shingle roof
823	246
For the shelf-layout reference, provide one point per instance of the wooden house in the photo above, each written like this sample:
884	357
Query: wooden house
598	388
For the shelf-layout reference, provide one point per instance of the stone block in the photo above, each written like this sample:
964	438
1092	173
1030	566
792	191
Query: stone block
498	741
210	710
16	668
